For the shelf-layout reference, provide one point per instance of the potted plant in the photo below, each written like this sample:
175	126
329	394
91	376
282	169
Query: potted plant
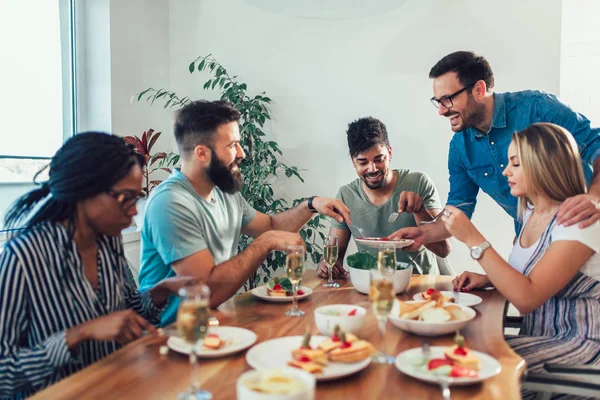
260	168
143	145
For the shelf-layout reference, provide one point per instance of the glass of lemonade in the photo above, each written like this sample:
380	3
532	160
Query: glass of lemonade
192	324
381	294
330	256
294	265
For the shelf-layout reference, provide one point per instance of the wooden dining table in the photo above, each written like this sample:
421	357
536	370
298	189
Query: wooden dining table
139	371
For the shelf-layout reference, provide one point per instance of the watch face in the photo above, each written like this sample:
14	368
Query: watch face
476	252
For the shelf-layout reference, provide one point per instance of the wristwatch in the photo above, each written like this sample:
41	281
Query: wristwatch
477	251
311	208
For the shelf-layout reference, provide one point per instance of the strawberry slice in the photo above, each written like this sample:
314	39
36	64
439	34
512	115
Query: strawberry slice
304	359
384	239
462	372
300	292
430	291
335	337
438	362
345	345
212	335
461	351
277	286
352	312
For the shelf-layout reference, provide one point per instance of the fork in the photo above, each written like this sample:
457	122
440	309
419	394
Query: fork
442	382
362	233
442	212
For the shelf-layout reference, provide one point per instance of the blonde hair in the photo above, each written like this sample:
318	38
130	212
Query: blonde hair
551	163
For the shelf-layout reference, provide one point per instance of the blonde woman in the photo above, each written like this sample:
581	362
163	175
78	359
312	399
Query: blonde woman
553	273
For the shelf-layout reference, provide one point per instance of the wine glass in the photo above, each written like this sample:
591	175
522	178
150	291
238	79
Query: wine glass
381	294
294	265
330	255
192	325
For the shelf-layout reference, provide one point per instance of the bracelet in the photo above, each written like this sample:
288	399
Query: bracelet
311	208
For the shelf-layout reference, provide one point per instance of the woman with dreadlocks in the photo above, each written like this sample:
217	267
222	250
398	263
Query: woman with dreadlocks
67	298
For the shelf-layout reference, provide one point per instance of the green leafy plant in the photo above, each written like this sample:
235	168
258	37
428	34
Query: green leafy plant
260	168
143	145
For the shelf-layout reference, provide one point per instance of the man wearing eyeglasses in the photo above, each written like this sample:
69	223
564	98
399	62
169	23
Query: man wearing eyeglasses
483	122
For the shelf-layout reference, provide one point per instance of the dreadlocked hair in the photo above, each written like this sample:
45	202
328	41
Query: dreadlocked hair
87	164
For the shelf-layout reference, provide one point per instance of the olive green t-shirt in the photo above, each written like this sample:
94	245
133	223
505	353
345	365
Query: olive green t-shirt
373	220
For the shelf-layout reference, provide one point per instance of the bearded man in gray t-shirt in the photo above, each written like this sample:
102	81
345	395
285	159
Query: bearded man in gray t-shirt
380	191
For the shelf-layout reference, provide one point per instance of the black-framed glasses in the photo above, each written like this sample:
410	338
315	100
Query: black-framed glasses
446	101
126	198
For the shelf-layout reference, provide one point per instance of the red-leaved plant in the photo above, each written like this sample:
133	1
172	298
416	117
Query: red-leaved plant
144	146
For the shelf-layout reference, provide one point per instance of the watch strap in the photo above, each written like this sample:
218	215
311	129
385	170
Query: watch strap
312	208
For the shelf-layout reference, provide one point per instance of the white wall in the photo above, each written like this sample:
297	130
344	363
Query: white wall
329	65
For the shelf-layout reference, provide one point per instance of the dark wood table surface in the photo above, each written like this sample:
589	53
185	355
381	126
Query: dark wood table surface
138	371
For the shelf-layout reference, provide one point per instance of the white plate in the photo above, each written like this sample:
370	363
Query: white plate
261	292
276	353
408	363
429	328
237	339
464	299
369	242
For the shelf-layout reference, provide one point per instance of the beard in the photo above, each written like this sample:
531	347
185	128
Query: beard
378	185
223	176
472	116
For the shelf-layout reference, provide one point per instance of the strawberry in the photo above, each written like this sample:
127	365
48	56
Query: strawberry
345	345
461	351
461	372
438	362
335	337
352	312
277	287
430	291
300	292
304	359
384	239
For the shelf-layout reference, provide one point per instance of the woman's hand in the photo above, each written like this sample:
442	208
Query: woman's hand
123	327
470	280
163	289
461	227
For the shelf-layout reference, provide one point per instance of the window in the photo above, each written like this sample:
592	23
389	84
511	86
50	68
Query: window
36	37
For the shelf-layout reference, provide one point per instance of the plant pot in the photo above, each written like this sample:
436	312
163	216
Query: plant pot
141	211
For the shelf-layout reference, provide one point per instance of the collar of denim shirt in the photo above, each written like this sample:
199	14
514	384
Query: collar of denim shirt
499	116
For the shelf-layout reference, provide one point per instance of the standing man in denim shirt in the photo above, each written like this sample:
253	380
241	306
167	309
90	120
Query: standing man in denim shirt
483	122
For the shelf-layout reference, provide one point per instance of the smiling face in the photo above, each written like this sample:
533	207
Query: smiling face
515	174
372	166
226	156
465	111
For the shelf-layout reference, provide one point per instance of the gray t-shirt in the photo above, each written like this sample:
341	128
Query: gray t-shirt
373	220
179	223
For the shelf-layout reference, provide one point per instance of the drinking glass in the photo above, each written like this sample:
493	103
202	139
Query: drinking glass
294	265
330	256
192	326
381	294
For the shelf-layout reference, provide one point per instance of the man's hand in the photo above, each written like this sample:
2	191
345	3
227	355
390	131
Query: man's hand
410	202
583	209
413	233
280	240
333	208
337	271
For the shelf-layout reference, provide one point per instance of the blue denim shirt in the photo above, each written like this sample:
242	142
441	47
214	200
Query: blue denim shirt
476	160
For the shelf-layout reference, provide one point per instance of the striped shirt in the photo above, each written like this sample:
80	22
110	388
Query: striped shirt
43	293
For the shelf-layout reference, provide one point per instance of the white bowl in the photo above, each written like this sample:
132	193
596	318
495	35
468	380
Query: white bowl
361	280
326	322
245	393
429	328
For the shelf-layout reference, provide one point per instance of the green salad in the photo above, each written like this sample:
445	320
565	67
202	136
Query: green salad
285	283
367	261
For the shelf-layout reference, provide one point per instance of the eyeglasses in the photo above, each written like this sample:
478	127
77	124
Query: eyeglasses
126	198
446	101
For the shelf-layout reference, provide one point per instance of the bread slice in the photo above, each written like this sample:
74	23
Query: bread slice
424	305
358	351
276	293
213	342
469	361
309	366
329	345
317	356
457	314
434	315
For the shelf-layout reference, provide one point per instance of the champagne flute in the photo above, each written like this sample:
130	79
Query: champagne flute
330	255
192	326
294	265
381	294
